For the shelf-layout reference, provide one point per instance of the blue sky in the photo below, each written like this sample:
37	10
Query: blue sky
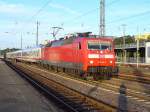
20	16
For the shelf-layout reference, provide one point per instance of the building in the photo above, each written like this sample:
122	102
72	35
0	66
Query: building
129	54
147	53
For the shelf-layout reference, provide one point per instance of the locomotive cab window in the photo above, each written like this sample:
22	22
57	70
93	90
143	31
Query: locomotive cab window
105	46
99	45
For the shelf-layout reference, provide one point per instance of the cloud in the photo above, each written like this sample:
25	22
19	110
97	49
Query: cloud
62	7
11	8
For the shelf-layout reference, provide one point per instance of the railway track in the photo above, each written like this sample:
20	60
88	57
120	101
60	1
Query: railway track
131	92
69	99
141	79
133	85
134	92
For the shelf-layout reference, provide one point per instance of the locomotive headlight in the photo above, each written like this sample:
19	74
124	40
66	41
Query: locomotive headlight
111	62
91	62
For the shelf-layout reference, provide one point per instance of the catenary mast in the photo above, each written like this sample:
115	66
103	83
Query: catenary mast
102	18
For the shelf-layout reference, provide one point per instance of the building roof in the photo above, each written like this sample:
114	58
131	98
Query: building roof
142	36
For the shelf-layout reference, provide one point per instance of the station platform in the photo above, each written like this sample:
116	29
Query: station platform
17	95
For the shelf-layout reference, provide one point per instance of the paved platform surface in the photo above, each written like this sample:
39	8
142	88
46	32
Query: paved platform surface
17	95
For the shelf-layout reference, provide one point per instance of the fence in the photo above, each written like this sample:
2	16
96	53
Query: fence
132	45
131	59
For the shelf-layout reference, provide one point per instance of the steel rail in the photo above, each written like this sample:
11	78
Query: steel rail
71	106
44	89
133	93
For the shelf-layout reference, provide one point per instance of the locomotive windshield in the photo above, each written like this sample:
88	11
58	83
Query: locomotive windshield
99	45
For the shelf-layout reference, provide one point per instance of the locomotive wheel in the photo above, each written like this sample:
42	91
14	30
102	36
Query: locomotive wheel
96	77
63	69
115	72
107	76
83	76
101	77
115	76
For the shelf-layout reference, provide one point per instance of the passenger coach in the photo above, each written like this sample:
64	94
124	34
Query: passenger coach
30	55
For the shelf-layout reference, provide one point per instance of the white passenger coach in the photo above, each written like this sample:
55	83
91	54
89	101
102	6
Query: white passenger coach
31	55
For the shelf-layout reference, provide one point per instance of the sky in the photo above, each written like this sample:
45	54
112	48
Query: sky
19	17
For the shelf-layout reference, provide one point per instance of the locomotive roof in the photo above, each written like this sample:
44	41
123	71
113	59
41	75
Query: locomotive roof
73	38
69	38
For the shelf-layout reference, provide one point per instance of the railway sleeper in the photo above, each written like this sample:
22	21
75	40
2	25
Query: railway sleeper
73	101
85	110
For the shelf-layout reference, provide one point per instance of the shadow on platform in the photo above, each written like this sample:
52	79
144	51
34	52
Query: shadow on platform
122	99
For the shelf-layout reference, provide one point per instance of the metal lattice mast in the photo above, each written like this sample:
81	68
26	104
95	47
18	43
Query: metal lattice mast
102	17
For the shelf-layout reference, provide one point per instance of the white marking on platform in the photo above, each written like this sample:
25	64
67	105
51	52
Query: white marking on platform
141	100
135	98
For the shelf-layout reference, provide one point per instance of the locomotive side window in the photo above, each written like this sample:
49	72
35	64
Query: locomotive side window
99	45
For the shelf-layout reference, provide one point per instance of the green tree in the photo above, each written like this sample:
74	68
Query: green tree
8	50
128	39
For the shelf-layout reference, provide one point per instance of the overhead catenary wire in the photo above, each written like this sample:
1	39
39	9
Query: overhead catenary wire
130	17
37	13
41	9
113	2
110	22
89	12
34	15
80	16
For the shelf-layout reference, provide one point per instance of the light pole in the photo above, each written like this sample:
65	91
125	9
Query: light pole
37	34
21	44
137	48
137	52
0	52
124	51
21	41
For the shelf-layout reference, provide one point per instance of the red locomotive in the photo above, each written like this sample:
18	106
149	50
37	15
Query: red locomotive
82	54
